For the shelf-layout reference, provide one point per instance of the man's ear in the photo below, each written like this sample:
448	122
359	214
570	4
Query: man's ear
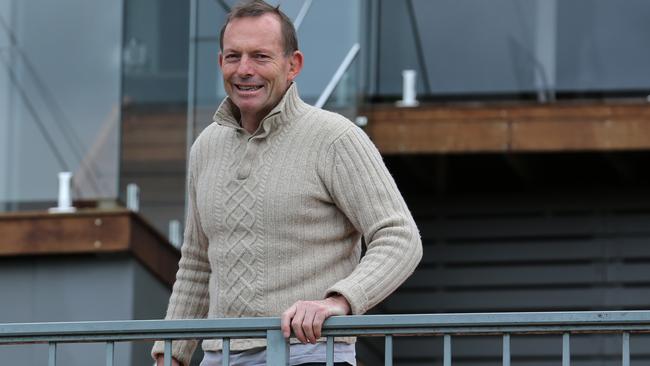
296	61
220	59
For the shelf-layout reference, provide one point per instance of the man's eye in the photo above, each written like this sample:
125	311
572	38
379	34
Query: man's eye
231	57
262	56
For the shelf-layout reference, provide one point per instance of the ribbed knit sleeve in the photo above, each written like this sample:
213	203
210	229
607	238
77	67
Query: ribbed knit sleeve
189	299
364	190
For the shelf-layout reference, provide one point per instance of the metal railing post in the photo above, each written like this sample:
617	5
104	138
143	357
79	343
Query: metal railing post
388	350
626	349
506	349
226	352
446	357
110	353
566	349
329	355
168	353
277	348
51	361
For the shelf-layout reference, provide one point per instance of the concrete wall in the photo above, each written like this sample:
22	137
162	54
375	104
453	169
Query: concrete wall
82	288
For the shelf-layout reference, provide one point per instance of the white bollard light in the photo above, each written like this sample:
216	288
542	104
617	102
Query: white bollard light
133	197
65	199
175	233
408	89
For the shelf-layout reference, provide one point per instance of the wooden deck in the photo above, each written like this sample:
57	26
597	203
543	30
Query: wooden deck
509	128
89	231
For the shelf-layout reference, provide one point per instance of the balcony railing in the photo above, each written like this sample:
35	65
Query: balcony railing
447	326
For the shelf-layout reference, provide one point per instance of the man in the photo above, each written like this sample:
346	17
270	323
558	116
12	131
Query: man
280	194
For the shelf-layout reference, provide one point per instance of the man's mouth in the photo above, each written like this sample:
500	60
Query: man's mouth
248	87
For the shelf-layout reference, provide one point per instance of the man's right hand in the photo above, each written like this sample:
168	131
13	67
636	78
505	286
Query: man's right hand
160	361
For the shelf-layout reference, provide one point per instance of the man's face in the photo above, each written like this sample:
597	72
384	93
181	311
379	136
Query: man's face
256	72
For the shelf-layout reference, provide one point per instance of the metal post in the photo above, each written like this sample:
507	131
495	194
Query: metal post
446	357
626	349
226	352
388	350
301	14
330	352
506	349
168	353
566	350
110	353
347	61
52	358
277	348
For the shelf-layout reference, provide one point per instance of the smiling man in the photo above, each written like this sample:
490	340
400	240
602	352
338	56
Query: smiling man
280	196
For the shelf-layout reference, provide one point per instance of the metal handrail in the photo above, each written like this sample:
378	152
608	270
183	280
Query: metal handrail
301	14
446	325
338	75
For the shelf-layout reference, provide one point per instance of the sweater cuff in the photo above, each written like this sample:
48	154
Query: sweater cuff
181	350
352	292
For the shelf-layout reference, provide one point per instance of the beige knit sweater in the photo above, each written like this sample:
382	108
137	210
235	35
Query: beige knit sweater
278	216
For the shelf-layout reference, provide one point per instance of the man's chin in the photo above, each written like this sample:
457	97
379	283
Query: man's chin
249	108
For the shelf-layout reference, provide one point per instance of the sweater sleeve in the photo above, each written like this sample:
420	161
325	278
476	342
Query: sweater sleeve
366	193
189	299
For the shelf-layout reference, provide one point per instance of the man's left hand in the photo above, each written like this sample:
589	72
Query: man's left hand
306	317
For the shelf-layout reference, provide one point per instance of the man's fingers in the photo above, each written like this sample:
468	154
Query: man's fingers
306	318
319	319
308	324
285	323
296	323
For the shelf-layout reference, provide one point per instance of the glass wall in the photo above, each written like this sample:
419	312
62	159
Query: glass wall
59	98
479	49
154	112
98	89
71	71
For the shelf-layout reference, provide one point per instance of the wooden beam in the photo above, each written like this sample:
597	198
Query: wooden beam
509	128
153	250
558	135
86	232
40	233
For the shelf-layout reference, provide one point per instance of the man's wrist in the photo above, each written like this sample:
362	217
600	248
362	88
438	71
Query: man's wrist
340	301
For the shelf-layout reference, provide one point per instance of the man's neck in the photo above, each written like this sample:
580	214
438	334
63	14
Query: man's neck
250	124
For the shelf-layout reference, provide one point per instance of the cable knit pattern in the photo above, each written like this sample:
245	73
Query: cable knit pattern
278	216
243	250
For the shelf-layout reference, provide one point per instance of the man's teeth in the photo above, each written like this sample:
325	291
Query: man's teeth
247	88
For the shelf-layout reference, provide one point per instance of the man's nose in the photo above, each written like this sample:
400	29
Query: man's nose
245	67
